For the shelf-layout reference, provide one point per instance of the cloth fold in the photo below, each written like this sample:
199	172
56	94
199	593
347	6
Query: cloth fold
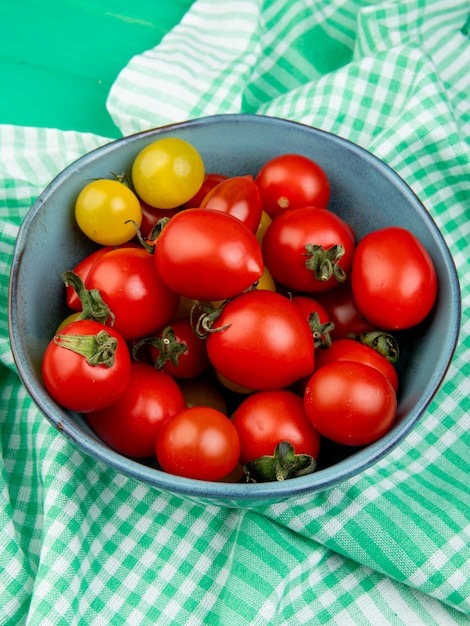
81	544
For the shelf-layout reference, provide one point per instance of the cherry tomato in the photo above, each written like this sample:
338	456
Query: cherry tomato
308	249
352	350
131	287
167	172
86	366
210	181
350	403
208	255
291	181
266	418
394	281
103	211
82	268
343	312
198	442
317	317
178	351
261	341
131	424
238	196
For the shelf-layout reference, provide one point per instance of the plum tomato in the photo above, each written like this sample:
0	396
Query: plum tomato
261	340
130	425
86	366
106	210
394	280
351	350
309	249
292	181
167	172
129	284
350	403
266	418
208	255
239	196
198	442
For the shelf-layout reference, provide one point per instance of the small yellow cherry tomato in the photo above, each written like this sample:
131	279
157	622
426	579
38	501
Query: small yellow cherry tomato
167	173
103	209
263	226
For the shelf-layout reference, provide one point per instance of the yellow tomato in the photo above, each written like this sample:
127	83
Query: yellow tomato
103	211
167	173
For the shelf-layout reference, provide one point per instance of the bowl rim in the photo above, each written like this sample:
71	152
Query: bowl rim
226	493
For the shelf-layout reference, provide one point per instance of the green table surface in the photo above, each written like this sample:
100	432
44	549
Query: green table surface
49	78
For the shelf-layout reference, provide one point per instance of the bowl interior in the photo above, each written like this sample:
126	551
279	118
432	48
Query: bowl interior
364	191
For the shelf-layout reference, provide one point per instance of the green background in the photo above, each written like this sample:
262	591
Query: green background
59	58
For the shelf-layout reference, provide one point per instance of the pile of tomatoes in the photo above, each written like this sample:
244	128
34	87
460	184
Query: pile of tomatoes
228	326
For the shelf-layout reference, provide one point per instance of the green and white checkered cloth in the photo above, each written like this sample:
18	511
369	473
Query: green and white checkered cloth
82	545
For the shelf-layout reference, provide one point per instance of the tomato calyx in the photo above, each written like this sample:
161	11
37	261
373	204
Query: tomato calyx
324	261
282	465
382	342
98	349
168	348
93	306
321	332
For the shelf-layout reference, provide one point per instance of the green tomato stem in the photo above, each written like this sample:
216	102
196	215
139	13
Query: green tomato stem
282	465
324	262
93	306
97	349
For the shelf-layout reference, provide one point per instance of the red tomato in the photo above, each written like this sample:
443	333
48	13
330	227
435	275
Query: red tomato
178	351
343	312
131	287
86	366
350	403
394	281
266	418
198	442
298	238
131	424
318	318
290	181
352	350
208	255
82	269
239	196
210	181
261	341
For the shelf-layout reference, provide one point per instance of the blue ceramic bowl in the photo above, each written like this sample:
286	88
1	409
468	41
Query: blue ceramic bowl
364	191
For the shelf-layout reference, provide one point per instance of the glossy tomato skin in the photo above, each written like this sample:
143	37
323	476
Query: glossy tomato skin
200	443
266	418
131	424
208	255
82	268
291	181
394	281
351	350
75	384
239	196
308	305
285	241
262	341
343	312
151	216
350	403
131	287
